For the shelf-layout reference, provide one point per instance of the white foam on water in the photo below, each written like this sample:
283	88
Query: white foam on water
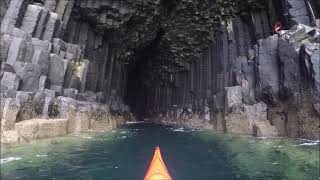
86	137
9	159
136	122
307	142
179	130
124	132
182	129
278	146
41	155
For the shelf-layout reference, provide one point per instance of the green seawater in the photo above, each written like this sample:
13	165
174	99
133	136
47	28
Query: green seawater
125	154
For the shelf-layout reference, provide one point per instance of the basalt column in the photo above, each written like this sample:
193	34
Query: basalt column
251	80
58	74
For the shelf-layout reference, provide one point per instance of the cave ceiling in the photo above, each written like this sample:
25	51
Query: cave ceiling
176	31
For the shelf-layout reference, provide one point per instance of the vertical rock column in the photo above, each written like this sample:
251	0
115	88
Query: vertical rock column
13	15
31	19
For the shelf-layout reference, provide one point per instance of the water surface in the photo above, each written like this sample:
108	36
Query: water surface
190	155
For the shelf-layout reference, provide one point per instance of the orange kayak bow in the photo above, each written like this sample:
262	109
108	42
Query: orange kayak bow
157	169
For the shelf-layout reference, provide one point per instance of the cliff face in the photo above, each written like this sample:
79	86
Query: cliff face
273	87
249	80
48	85
216	64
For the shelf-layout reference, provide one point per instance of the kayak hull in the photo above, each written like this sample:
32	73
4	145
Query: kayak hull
157	169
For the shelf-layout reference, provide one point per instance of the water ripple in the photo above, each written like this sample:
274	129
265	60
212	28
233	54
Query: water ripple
9	159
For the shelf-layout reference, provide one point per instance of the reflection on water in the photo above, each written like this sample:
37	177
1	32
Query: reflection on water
190	154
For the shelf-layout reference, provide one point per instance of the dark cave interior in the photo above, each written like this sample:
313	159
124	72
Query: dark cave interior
141	76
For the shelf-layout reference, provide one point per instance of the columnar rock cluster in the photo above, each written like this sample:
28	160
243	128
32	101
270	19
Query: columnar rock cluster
45	77
265	87
187	25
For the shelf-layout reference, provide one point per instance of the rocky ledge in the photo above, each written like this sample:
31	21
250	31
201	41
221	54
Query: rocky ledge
29	116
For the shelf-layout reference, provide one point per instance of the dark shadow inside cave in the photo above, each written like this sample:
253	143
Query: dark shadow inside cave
140	76
168	5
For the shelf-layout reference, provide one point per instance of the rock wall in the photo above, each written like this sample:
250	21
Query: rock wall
43	73
3	7
65	115
250	80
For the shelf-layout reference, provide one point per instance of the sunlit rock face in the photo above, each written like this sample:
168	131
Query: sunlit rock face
221	65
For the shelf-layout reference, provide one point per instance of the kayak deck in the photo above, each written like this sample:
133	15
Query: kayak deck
157	169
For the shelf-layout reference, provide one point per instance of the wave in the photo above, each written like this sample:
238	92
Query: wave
307	142
87	137
182	129
41	155
137	122
9	159
179	130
